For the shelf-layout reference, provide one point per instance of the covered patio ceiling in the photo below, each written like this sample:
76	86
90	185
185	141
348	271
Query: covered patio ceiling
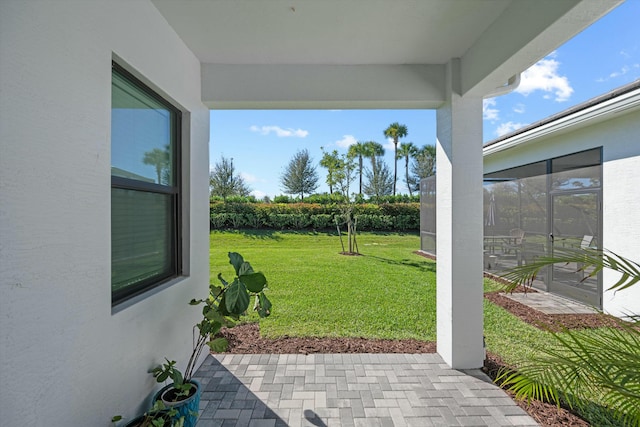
422	54
367	53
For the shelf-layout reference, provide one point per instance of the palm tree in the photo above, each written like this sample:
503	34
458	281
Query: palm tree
407	150
160	159
373	150
395	131
579	366
422	166
358	150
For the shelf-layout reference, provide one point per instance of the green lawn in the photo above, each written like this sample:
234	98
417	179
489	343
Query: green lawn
388	292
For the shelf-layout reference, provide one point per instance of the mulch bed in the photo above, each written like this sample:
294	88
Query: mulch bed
246	339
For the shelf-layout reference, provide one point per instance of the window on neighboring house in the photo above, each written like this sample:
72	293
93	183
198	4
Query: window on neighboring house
145	188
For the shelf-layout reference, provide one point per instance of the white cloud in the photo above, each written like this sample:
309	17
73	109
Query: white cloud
389	145
289	132
544	76
248	177
489	113
258	194
519	108
508	127
624	70
346	141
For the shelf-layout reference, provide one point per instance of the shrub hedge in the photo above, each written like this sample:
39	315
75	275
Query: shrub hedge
322	199
299	216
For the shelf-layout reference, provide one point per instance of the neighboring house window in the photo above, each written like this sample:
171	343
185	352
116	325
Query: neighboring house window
145	188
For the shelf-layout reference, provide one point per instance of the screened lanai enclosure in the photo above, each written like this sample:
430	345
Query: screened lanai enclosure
533	209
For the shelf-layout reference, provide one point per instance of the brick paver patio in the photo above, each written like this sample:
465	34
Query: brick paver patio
349	390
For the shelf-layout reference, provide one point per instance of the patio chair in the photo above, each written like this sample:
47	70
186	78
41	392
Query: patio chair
514	244
586	243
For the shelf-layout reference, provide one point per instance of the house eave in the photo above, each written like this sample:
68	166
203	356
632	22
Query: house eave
620	101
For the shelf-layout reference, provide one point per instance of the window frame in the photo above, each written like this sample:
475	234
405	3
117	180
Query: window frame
173	191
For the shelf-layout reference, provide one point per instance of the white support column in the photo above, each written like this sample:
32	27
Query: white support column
459	227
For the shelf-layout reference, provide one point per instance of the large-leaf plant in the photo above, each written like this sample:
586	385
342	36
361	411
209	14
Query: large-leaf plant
224	305
581	366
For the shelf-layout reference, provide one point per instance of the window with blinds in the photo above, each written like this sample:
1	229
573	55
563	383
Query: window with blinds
145	188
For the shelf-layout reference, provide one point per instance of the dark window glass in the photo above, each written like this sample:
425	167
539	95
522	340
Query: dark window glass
576	171
525	171
145	195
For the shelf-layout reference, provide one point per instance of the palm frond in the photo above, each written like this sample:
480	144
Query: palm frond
594	260
599	365
579	366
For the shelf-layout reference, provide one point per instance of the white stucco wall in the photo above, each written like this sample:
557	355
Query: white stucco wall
619	135
621	205
65	358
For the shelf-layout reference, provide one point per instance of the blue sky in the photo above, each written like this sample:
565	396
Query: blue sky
261	142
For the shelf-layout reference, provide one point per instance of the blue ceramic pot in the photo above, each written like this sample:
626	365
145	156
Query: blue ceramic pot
137	421
187	408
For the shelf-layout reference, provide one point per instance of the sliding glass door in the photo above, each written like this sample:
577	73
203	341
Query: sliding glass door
575	224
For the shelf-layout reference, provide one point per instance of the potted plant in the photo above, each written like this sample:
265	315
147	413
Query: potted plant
181	395
224	305
158	416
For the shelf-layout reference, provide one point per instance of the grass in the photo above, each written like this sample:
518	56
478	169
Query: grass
389	292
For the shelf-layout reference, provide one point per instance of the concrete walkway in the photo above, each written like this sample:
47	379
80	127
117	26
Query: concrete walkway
550	303
360	390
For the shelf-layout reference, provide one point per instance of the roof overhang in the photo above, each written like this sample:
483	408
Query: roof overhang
621	101
367	53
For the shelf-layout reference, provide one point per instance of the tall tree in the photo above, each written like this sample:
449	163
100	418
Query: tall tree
379	180
407	150
224	182
332	163
373	150
423	165
161	160
345	174
358	150
395	131
300	176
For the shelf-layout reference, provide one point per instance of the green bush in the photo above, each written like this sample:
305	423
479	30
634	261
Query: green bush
237	220
367	209
241	199
326	199
387	216
395	209
217	207
283	199
219	220
240	208
255	220
405	222
374	222
299	221
322	221
278	221
400	198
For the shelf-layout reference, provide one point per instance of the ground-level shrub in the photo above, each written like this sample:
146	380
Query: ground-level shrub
374	222
301	216
322	221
